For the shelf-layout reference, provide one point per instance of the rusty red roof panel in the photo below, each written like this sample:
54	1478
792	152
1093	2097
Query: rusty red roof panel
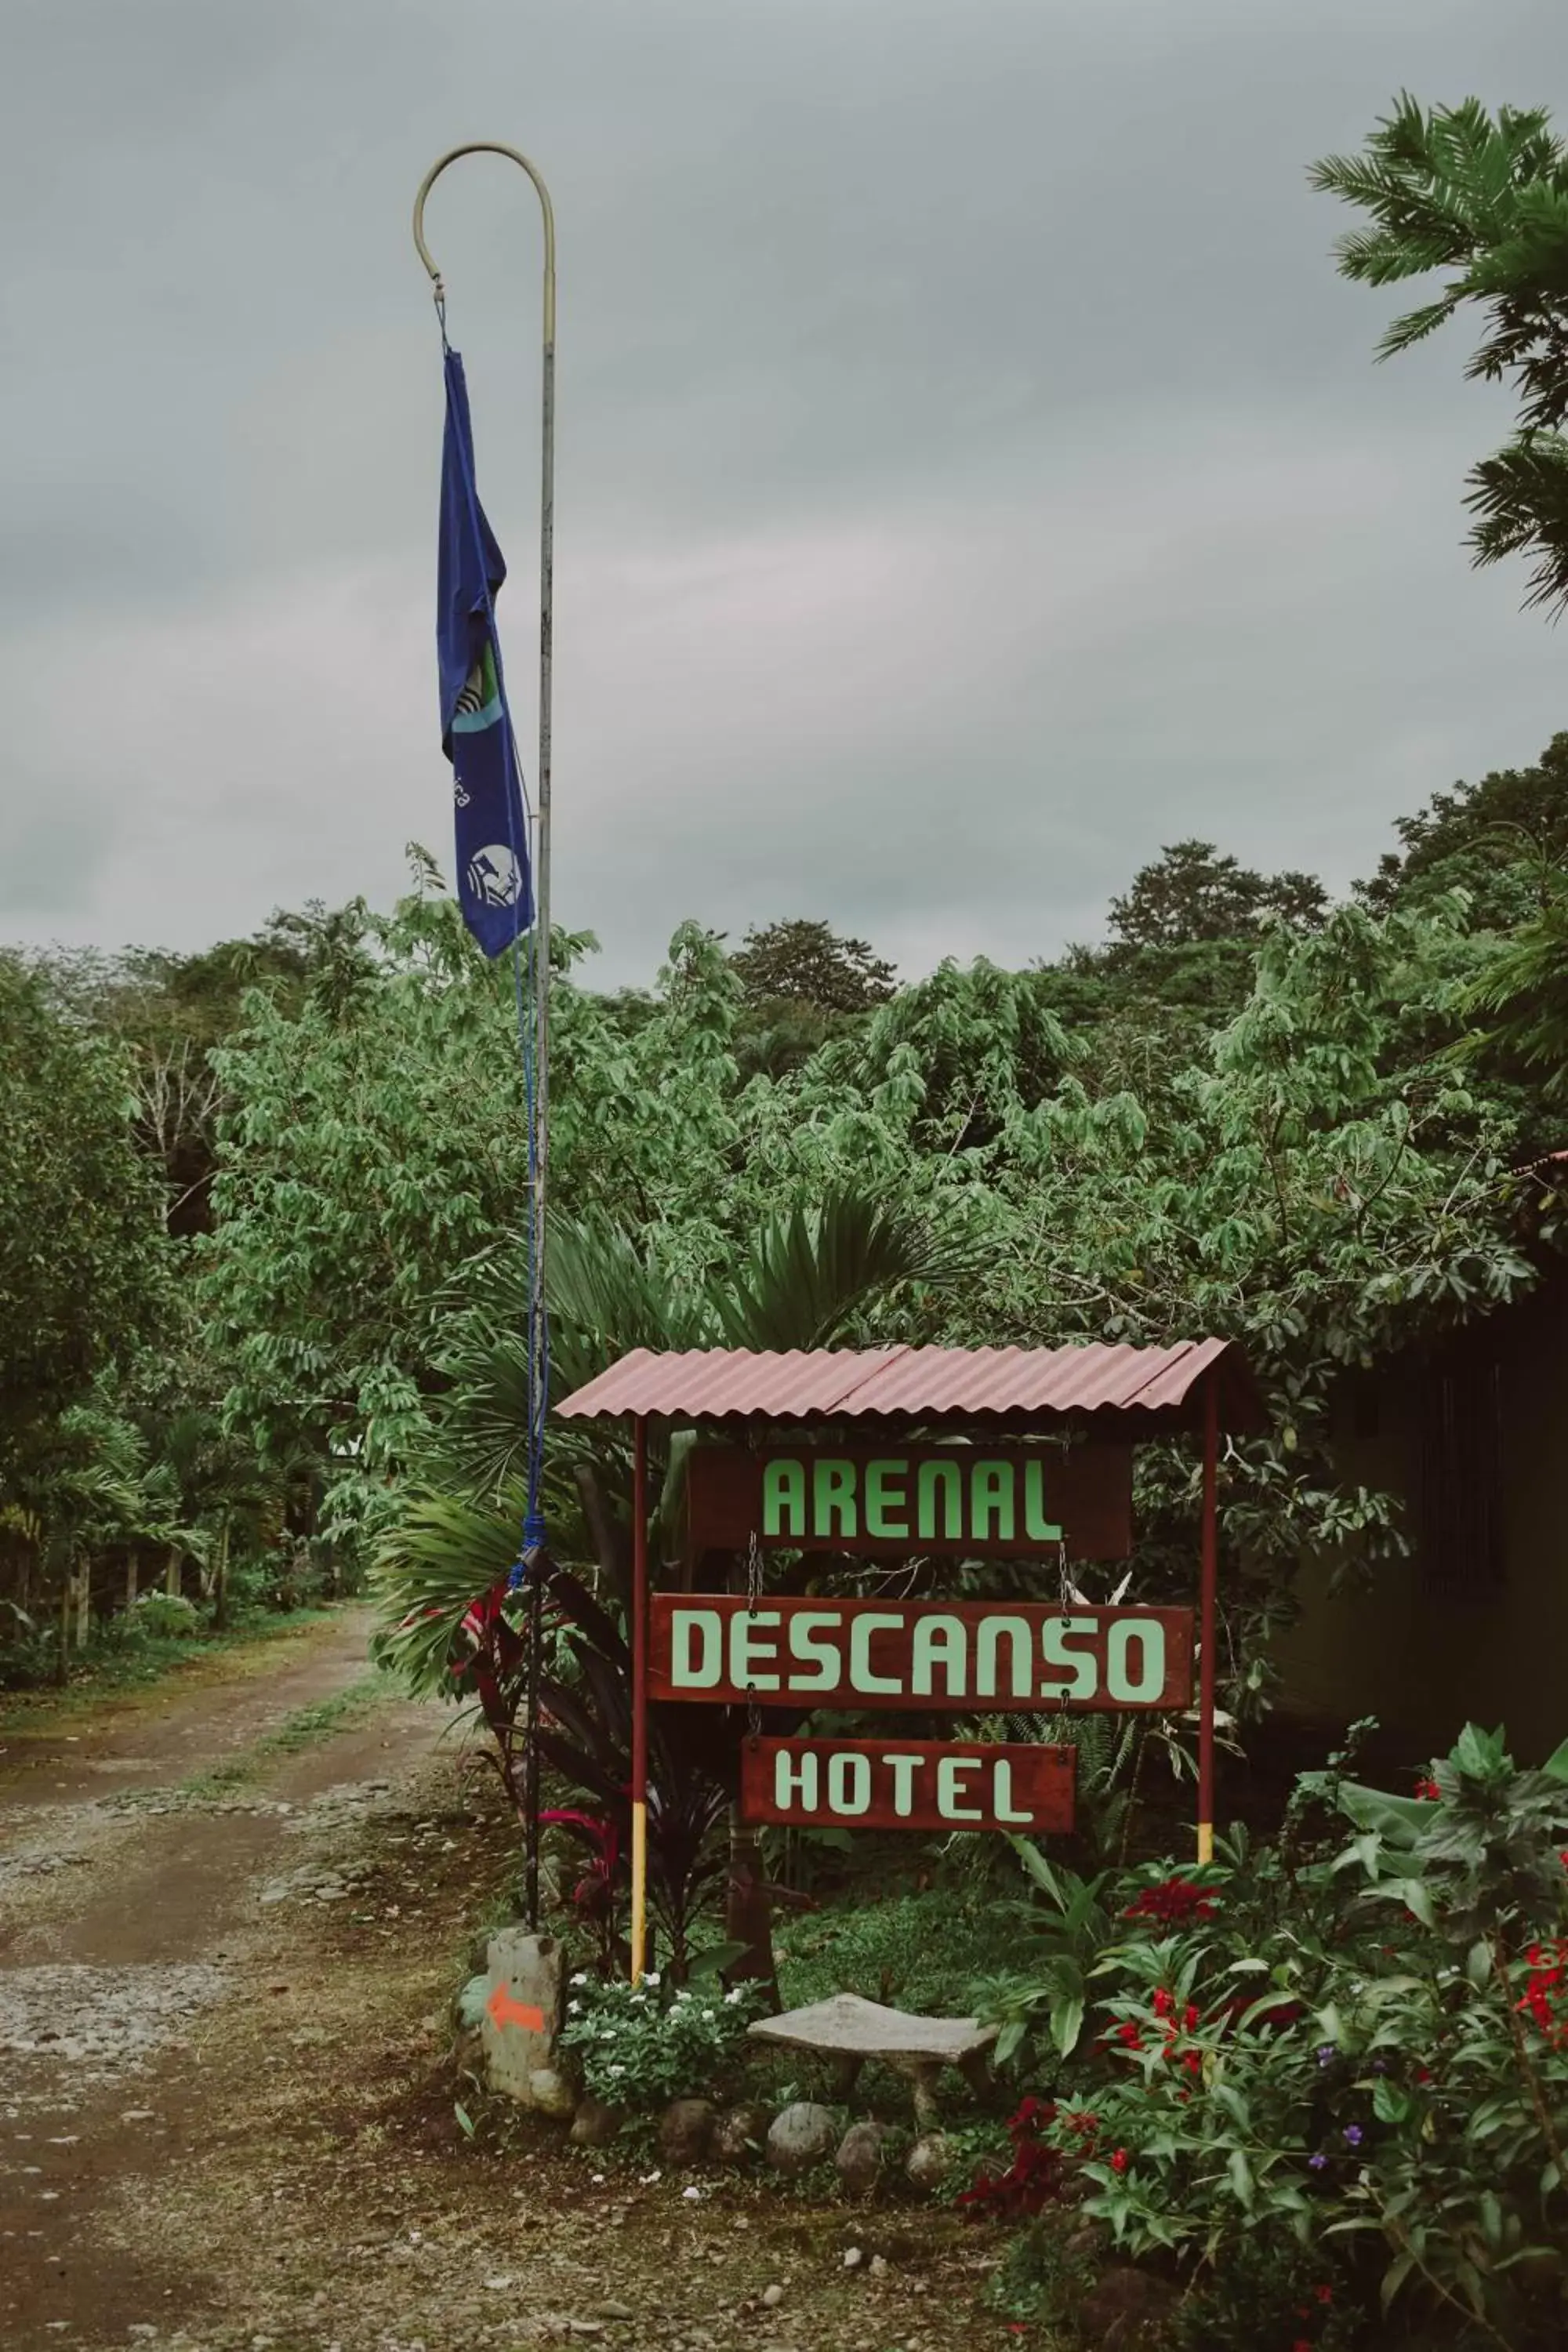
1152	1384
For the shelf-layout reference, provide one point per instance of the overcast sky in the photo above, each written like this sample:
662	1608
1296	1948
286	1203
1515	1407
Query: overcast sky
972	473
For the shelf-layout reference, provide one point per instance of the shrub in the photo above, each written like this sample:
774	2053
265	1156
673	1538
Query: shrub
639	2046
167	1616
1351	2054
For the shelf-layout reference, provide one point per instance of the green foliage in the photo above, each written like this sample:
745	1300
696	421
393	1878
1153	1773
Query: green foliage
806	963
921	1951
1498	840
168	1616
1191	894
1352	2053
84	1269
1520	1002
1485	199
638	2046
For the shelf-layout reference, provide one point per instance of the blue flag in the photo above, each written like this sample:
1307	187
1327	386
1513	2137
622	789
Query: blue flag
495	888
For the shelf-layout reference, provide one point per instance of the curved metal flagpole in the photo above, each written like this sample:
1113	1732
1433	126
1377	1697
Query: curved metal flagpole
538	1350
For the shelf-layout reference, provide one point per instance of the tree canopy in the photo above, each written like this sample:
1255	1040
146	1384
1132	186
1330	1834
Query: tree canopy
1483	198
84	1270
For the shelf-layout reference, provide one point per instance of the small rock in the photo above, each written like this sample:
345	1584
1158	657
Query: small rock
930	2160
739	2132
803	2136
685	2130
879	2266
594	2124
617	2311
853	2258
859	2158
773	2296
551	2093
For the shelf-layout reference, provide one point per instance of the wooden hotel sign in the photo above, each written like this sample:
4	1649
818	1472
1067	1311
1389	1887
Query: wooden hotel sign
966	1657
980	1501
911	1784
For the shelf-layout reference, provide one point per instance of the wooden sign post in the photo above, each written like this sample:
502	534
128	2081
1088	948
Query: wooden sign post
1056	1497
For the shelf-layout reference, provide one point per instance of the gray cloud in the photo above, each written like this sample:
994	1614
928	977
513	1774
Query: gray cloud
972	473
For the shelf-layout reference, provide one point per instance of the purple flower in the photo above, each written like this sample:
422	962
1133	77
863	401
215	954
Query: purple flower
1380	2065
1317	2162
1354	2134
1326	2054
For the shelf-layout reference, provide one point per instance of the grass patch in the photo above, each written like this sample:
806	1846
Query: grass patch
137	1662
304	1728
916	1951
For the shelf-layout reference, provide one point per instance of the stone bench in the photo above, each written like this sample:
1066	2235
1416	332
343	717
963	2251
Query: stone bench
850	2030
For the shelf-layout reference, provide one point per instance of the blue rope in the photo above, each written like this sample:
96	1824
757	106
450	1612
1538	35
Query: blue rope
523	959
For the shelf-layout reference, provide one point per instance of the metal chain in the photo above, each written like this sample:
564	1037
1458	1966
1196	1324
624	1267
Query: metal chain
753	1594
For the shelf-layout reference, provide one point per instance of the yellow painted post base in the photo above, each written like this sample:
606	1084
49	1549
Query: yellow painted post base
1206	1842
639	1893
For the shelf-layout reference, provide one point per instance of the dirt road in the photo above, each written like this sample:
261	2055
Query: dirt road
231	1921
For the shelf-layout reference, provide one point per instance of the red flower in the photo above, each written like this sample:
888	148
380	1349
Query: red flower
1300	2345
1164	2003
1190	2017
1194	2062
1324	2293
1119	2160
1129	2036
1173	1901
1429	1791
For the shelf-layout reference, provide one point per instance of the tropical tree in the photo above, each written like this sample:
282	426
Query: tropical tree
1191	894
1520	1002
85	1271
1483	198
1503	841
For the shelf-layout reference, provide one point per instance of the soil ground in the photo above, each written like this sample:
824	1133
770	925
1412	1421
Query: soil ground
233	1913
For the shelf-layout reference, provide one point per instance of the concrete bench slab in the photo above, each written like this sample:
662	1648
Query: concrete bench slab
850	2030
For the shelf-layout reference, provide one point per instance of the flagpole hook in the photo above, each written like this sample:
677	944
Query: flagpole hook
538	1331
516	155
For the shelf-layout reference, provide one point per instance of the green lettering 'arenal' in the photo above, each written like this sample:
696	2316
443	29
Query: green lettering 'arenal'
954	1500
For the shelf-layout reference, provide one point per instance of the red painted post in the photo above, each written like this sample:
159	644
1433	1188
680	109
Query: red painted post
640	1699
1208	1634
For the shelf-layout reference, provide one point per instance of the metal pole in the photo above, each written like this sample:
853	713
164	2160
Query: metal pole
639	1700
1208	1634
531	1761
538	1349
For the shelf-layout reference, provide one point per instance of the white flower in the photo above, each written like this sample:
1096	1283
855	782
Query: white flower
574	2008
709	2014
577	1981
739	1994
617	2070
652	1978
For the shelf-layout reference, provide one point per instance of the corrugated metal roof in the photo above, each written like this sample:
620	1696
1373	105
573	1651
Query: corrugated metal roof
1159	1387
